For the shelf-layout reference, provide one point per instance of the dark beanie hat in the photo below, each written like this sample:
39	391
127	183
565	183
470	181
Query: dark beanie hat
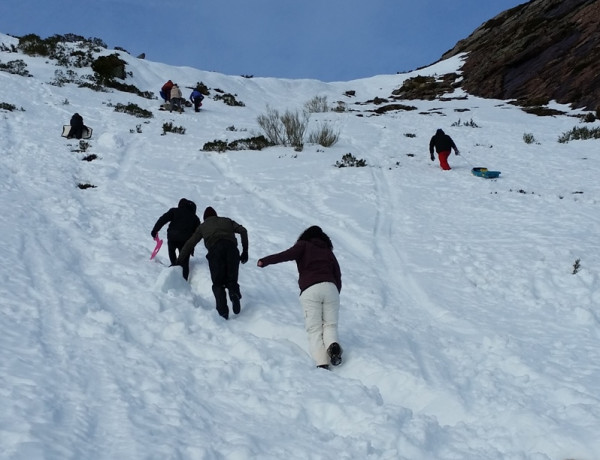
209	212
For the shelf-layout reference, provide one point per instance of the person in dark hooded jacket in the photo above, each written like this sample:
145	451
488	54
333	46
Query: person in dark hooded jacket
183	222
223	257
443	146
320	283
77	127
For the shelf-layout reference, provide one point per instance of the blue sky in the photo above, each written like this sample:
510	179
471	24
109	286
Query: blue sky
329	40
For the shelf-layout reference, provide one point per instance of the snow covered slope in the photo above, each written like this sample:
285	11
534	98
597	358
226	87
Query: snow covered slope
467	334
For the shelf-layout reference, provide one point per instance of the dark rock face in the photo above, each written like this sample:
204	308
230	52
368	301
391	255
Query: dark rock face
542	50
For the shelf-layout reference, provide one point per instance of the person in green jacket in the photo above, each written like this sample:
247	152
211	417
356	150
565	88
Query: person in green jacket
223	257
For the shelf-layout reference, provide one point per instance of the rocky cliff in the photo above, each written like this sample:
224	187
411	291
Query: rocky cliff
539	51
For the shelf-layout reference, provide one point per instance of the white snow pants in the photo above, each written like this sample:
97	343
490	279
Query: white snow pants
321	305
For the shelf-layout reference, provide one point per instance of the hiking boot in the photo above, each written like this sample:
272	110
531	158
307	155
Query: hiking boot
323	366
335	353
235	303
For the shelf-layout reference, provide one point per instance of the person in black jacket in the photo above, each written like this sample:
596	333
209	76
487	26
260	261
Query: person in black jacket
223	257
76	127
443	146
183	222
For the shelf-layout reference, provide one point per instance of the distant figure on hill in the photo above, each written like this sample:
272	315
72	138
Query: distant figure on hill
320	282
176	98
77	126
223	257
443	146
165	91
196	97
183	222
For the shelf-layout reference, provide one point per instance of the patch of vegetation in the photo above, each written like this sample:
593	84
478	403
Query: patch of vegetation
68	50
392	107
576	266
412	135
16	67
340	107
7	106
133	109
108	70
229	99
536	106
588	118
579	133
324	135
109	67
284	129
91	157
427	87
470	123
84	145
251	143
215	146
317	104
169	128
85	186
349	160
528	138
541	111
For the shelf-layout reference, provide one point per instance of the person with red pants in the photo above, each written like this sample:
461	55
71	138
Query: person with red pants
443	146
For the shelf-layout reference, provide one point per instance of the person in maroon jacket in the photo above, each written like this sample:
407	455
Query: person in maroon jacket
320	282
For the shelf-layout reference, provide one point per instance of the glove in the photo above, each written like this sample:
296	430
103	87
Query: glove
457	152
153	234
432	157
244	257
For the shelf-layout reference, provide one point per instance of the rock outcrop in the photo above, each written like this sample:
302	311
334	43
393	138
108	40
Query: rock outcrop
540	51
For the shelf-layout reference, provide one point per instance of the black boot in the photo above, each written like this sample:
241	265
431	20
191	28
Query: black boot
221	299
235	301
335	353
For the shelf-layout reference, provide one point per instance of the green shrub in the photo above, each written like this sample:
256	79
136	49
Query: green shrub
169	128
133	109
229	99
469	123
7	106
109	67
528	138
588	118
578	133
16	67
251	143
349	160
55	47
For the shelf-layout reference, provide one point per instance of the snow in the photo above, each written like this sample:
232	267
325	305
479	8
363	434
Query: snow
466	333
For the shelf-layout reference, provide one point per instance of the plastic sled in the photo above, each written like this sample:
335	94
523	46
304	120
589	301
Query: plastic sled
87	131
159	243
485	173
